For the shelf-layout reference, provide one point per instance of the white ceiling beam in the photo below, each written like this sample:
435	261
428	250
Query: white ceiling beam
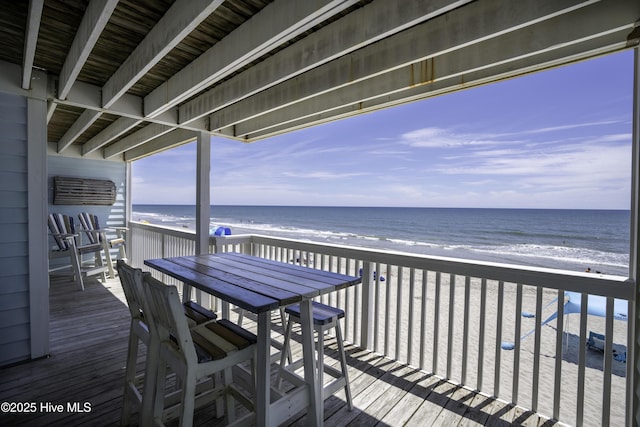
163	142
309	13
136	139
87	96
459	28
108	134
383	18
31	40
277	23
51	108
180	20
473	69
93	22
600	30
85	120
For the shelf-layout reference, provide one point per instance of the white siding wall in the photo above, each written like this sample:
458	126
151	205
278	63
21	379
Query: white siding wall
15	342
109	216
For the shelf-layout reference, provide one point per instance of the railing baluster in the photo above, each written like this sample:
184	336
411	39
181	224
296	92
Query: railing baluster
357	311
483	321
367	334
452	305
436	318
465	329
387	312
516	355
399	309
536	350
608	361
376	311
582	358
558	364
412	278
496	374
423	318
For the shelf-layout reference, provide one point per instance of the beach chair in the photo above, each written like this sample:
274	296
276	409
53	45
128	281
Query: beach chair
595	341
67	244
95	234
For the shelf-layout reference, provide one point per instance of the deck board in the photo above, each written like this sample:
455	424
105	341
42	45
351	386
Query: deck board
89	333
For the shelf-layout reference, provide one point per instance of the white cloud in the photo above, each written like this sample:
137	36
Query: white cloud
434	137
323	175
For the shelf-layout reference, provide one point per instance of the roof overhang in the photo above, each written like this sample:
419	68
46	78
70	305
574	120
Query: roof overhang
132	78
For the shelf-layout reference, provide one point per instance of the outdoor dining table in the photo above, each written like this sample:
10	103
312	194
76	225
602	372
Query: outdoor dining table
260	285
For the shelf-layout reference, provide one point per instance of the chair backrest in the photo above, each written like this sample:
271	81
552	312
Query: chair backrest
61	224
131	280
89	223
168	319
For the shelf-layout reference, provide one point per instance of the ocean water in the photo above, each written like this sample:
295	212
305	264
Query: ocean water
566	239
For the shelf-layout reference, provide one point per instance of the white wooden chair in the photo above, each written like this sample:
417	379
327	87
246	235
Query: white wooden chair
324	318
205	350
68	245
95	234
139	331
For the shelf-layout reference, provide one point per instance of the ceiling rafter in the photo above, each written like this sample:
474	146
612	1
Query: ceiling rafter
93	22
86	119
338	38
163	142
275	24
460	70
136	139
87	96
455	30
180	20
30	41
177	23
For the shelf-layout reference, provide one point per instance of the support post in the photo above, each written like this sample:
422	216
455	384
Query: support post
633	350
203	199
37	228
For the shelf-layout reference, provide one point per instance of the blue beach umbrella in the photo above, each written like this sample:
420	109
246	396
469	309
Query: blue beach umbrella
596	306
219	231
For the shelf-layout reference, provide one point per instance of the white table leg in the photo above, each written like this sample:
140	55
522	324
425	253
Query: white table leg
263	388
225	310
186	292
315	413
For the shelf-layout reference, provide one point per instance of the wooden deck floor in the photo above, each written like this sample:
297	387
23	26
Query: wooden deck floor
89	333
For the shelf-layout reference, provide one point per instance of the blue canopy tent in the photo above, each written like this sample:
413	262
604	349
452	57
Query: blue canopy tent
219	231
596	306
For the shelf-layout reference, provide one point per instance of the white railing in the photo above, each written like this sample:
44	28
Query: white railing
454	318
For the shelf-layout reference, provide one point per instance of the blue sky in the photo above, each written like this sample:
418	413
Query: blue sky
554	139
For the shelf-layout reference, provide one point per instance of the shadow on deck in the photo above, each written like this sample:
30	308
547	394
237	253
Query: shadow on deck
89	331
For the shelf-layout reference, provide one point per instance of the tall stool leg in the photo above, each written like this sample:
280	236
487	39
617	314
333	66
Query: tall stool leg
324	319
343	363
286	350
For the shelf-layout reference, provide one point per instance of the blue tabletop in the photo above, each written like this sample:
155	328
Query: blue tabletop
253	283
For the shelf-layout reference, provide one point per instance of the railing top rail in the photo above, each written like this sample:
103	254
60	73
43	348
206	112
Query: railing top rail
172	231
591	283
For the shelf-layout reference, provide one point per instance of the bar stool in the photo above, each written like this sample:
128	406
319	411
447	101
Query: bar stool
131	280
324	318
196	353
